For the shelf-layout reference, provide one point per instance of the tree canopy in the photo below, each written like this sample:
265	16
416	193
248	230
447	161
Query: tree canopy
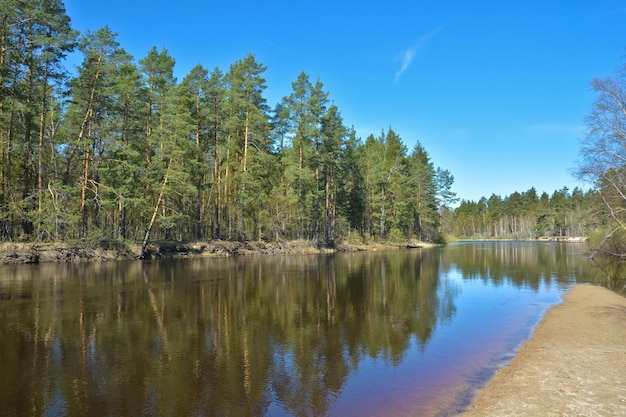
526	215
603	157
121	149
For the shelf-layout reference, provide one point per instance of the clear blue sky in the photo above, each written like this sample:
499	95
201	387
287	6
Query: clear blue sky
496	91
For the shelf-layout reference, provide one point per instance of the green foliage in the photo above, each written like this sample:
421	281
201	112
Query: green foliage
609	239
524	215
396	236
135	154
544	225
450	239
353	238
603	153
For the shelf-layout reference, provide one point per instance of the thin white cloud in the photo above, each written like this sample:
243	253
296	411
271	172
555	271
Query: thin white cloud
410	53
557	128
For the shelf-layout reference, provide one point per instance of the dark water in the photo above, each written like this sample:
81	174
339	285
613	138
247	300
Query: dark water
367	334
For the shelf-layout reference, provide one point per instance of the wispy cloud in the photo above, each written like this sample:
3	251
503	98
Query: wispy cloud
557	128
410	53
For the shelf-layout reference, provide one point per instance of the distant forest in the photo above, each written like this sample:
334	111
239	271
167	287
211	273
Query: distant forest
527	215
120	149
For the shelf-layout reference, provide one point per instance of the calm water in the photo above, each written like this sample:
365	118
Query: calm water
398	333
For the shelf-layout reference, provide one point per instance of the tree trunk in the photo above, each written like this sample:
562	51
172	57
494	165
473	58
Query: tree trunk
216	184
199	175
83	193
42	123
245	141
122	219
146	238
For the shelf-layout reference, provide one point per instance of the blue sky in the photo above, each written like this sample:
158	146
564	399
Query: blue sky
496	91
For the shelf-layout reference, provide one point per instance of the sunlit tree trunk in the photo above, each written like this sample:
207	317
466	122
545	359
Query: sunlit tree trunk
146	238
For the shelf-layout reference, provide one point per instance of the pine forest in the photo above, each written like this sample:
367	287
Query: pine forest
120	149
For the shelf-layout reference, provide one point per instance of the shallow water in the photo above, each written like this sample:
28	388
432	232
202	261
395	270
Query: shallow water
412	332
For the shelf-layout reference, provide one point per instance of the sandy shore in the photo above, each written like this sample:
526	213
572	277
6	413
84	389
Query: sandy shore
574	364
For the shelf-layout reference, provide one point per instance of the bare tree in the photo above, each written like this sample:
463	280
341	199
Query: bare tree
603	151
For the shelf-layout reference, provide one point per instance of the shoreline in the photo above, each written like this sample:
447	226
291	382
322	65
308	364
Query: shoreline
573	364
17	253
34	253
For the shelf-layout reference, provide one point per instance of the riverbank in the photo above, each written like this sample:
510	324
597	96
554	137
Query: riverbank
25	253
574	364
562	239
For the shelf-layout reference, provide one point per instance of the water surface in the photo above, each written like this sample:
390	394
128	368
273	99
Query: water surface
392	333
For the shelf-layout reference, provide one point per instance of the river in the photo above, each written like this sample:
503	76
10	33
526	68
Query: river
407	332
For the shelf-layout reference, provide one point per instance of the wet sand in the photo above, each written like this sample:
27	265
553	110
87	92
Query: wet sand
574	364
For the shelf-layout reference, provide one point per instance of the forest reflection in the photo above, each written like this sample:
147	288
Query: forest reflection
521	263
230	337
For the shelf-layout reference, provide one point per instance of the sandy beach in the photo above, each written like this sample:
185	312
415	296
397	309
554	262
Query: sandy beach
574	364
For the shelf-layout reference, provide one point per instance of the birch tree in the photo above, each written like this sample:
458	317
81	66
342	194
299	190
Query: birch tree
603	153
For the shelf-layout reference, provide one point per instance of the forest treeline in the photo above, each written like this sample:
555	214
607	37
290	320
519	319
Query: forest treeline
123	150
599	213
527	215
120	149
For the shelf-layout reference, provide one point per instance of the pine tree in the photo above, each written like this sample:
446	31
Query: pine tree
165	122
158	70
215	107
333	134
423	195
303	110
35	36
196	88
351	199
122	168
385	168
91	117
247	132
135	155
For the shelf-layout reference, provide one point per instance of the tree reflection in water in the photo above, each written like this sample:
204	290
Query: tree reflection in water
230	337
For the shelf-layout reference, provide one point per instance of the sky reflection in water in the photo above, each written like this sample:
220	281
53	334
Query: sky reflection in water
395	333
